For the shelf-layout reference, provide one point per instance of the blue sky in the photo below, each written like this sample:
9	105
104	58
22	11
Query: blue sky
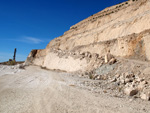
31	24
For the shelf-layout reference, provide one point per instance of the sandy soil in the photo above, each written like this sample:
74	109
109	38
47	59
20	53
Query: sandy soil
37	90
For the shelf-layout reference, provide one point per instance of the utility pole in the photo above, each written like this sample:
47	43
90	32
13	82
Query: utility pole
14	57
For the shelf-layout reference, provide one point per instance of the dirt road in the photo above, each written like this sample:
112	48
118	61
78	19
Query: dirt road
41	91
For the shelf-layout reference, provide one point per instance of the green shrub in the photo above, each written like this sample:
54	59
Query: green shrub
11	62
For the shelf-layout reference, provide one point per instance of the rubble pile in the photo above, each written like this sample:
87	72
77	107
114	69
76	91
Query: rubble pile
123	77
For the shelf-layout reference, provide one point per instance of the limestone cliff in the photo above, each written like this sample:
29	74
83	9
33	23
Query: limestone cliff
123	30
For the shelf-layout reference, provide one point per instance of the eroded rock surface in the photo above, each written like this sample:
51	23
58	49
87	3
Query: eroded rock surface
93	48
123	30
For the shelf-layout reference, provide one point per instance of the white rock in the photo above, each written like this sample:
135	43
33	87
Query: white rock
140	86
89	56
117	75
143	82
108	57
122	81
127	80
112	61
130	91
145	96
138	79
86	54
113	80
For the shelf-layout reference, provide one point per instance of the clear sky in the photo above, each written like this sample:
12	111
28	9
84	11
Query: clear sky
31	24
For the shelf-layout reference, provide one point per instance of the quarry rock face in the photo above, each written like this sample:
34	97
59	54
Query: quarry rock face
122	30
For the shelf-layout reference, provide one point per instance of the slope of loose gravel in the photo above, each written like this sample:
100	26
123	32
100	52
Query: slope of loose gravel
41	91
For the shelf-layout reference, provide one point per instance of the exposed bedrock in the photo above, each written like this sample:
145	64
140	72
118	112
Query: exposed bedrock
122	30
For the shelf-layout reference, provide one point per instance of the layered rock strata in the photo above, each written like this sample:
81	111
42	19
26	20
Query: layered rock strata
123	30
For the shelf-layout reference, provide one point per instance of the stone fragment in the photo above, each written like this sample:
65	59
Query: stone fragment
117	75
89	56
112	61
140	86
145	96
122	79
144	82
130	91
95	76
86	54
128	80
108	57
113	80
138	79
100	57
98	78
